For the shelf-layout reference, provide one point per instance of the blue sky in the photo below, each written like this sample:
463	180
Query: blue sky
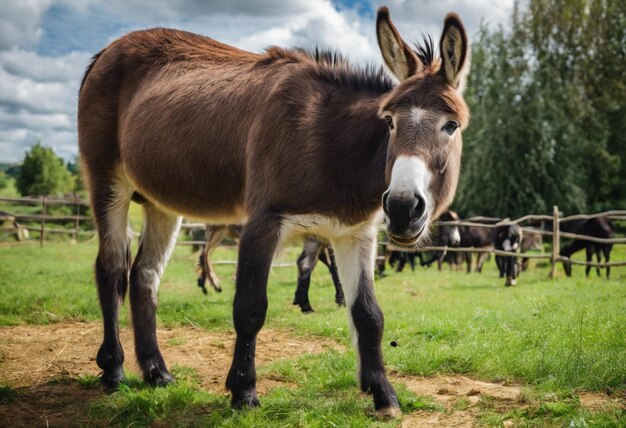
45	45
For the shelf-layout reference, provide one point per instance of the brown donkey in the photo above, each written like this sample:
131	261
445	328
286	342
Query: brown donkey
292	144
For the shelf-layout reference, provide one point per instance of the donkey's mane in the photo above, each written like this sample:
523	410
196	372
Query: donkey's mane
425	51
336	68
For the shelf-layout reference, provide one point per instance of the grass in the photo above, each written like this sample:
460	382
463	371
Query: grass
556	337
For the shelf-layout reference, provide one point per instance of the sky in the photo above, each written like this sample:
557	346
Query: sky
45	45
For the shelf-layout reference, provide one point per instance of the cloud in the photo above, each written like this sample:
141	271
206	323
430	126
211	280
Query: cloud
323	26
20	23
426	16
38	97
45	45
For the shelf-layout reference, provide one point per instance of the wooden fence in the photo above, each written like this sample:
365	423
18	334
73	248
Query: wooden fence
80	205
44	218
554	256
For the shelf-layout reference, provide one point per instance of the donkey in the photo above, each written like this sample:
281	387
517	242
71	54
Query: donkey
447	236
213	237
600	227
507	237
288	142
312	251
475	237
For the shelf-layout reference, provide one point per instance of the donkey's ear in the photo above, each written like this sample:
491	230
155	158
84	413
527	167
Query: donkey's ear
397	55
455	52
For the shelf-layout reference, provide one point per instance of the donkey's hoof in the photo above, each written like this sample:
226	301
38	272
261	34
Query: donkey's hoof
158	377
306	308
245	400
389	412
111	379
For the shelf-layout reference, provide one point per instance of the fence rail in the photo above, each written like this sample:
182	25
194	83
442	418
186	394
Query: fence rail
478	221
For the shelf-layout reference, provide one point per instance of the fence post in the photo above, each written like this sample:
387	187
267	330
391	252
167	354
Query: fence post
555	240
76	223
44	206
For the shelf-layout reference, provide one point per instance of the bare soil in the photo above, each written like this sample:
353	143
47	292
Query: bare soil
42	364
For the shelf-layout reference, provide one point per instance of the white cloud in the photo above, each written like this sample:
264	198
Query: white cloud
38	93
30	65
413	18
38	98
20	22
323	26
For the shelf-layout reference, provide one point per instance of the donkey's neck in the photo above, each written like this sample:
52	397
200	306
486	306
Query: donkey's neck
355	139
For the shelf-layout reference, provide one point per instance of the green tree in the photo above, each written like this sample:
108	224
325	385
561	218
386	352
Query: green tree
75	168
43	173
548	111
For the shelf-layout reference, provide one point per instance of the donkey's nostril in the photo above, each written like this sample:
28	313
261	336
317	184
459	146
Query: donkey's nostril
420	207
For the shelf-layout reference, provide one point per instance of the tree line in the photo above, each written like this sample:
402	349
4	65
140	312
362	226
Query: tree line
548	103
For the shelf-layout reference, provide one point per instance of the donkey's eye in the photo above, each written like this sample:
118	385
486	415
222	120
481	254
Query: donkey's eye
389	121
450	127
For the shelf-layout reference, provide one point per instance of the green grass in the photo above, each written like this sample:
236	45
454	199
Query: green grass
555	337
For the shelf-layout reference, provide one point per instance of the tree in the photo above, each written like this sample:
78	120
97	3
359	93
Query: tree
547	102
43	173
75	168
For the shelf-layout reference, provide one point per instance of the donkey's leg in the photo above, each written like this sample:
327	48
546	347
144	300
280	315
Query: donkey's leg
401	261
155	247
327	256
110	207
214	237
201	269
468	260
355	260
480	260
256	250
598	252
606	249
306	263
589	254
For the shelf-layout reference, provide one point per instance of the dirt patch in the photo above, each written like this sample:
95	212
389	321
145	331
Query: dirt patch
462	397
460	392
42	363
596	401
458	419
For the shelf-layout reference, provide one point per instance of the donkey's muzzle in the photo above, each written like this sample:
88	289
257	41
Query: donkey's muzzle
406	217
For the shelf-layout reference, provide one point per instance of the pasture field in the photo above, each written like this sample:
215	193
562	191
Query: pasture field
469	352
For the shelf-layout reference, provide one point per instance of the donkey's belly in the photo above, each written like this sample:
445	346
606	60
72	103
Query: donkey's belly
213	194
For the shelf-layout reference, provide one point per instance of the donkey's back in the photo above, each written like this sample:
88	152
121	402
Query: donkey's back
167	113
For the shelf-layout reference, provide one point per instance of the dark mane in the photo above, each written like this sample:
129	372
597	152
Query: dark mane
337	69
89	67
426	50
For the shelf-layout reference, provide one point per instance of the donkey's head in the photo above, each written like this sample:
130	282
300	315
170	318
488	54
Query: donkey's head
449	234
426	114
